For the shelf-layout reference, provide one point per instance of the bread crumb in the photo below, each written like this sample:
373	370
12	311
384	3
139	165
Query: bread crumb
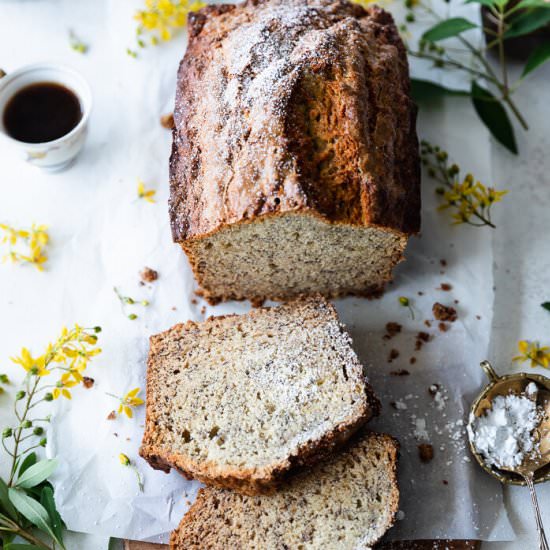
203	310
400	372
427	323
167	121
421	339
391	330
420	293
112	415
425	452
446	287
194	301
443	327
433	389
444	313
412	360
443	263
394	354
148	275
478	317
445	482
87	382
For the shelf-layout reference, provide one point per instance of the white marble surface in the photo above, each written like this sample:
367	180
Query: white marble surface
521	251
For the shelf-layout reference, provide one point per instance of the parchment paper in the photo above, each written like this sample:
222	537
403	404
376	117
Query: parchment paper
102	237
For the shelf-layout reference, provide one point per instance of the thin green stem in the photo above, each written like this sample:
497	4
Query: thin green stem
19	430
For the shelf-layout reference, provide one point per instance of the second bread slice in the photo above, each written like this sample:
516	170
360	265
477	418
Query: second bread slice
238	401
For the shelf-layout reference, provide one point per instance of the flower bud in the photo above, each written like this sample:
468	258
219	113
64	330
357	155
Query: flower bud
48	397
132	316
7	432
124	460
20	395
38	430
43	442
129	300
404	301
34	370
26	424
97	329
4	379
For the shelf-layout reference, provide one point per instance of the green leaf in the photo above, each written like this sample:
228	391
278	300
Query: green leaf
424	90
5	503
37	473
33	511
47	500
20	547
494	116
532	4
448	28
488	3
527	22
30	460
540	56
546	306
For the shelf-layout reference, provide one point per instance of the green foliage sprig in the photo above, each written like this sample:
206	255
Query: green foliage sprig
26	498
491	90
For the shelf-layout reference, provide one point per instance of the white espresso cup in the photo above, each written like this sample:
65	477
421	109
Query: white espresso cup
59	153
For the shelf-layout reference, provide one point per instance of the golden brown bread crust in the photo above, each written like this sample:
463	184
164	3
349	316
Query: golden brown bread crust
249	481
311	114
209	506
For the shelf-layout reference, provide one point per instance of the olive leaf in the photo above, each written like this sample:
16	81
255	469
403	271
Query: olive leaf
448	28
33	511
538	57
532	4
527	22
494	116
424	90
19	546
5	503
37	473
546	306
30	460
47	500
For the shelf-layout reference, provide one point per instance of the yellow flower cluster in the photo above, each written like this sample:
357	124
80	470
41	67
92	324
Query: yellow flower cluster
471	200
69	354
25	245
130	401
146	194
161	18
532	351
470	197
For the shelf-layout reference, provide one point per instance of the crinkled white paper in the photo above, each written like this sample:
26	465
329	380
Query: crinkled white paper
102	237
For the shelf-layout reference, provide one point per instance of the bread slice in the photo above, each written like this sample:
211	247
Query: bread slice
237	401
348	502
294	165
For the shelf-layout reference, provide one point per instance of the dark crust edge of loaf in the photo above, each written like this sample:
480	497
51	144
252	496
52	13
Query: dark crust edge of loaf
371	292
257	480
392	443
411	222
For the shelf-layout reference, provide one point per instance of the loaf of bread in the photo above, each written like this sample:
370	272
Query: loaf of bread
345	503
238	401
294	165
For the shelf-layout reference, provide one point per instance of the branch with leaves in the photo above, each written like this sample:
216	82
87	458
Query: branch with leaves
491	90
470	199
26	499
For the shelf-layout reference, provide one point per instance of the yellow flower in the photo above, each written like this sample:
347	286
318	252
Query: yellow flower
124	460
26	246
146	194
130	401
35	366
62	385
532	351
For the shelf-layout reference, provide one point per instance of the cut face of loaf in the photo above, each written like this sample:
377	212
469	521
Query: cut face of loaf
238	401
345	503
294	164
280	257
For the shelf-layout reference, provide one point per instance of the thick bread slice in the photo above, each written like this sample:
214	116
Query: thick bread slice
348	502
237	401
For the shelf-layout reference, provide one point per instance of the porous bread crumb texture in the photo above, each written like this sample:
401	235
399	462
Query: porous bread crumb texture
266	259
347	502
238	401
295	108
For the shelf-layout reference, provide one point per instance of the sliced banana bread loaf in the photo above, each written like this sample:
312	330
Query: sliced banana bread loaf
237	401
294	164
347	502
